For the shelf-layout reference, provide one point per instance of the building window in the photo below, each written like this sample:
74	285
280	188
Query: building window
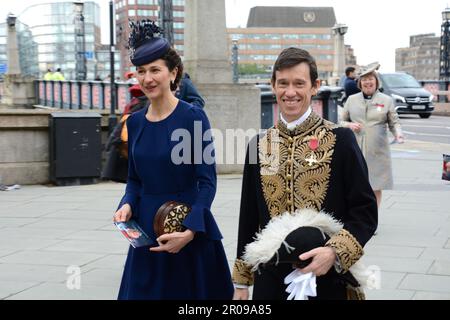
178	14
131	13
147	2
291	36
131	2
146	13
236	36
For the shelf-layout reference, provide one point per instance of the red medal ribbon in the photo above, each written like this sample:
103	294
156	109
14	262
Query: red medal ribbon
313	144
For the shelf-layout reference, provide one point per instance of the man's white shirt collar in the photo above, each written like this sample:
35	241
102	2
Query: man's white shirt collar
295	123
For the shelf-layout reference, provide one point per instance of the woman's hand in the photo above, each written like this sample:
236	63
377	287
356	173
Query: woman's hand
123	214
356	127
173	242
400	138
240	294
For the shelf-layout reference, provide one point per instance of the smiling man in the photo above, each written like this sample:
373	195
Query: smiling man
303	163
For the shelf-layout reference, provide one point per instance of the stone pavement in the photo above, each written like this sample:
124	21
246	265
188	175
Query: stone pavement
46	231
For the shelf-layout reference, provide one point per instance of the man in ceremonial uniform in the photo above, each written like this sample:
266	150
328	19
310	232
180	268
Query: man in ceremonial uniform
304	162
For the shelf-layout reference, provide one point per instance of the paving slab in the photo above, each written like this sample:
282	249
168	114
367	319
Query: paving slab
436	254
91	246
36	273
9	288
50	291
111	261
406	265
51	258
424	295
440	267
424	282
392	251
389	294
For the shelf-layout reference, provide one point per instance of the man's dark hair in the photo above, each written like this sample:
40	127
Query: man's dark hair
348	70
173	60
291	57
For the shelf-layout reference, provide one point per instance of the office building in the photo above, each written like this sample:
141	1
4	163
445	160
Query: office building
421	58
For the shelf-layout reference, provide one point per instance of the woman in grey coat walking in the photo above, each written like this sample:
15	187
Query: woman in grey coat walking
369	114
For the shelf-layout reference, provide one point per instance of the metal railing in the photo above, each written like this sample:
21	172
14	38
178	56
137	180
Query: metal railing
81	95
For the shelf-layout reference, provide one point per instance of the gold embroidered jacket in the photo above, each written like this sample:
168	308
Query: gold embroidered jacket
317	165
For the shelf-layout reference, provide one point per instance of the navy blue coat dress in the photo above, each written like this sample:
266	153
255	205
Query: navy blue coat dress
200	269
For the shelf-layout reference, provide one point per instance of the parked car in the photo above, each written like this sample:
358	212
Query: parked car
409	96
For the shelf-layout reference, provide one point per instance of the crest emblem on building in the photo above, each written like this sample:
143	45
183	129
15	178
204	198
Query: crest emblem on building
309	16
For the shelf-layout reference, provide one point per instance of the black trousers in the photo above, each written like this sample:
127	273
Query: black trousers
269	284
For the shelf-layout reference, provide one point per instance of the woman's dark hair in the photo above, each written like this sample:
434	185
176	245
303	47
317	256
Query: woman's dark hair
291	57
173	60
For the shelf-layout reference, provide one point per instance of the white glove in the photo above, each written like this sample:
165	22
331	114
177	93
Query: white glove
301	286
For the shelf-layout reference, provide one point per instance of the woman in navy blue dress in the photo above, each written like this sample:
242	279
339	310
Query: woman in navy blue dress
170	158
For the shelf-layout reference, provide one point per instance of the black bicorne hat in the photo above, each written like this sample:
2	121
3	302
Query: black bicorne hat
145	42
289	235
299	241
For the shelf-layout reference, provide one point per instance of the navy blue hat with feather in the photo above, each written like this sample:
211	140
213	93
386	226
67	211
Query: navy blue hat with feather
145	42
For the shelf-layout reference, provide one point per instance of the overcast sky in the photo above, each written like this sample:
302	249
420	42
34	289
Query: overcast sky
376	27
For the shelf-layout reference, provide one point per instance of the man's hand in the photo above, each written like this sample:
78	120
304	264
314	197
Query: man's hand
323	260
241	294
173	242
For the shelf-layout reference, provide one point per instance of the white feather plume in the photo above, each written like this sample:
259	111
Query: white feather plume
272	237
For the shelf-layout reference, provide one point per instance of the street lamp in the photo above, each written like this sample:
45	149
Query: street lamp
444	63
112	121
339	30
80	41
166	20
235	61
446	14
11	20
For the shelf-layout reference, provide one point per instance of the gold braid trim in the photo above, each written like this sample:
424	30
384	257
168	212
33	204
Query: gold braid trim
242	273
355	293
347	248
289	181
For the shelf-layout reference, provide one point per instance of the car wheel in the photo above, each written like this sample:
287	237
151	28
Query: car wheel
425	115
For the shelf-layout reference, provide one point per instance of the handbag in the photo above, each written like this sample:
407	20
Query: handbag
169	218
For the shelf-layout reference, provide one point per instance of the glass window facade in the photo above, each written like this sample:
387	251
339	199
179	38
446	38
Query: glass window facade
58	37
261	48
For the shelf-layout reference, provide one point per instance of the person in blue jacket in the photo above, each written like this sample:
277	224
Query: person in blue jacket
350	84
188	265
186	91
